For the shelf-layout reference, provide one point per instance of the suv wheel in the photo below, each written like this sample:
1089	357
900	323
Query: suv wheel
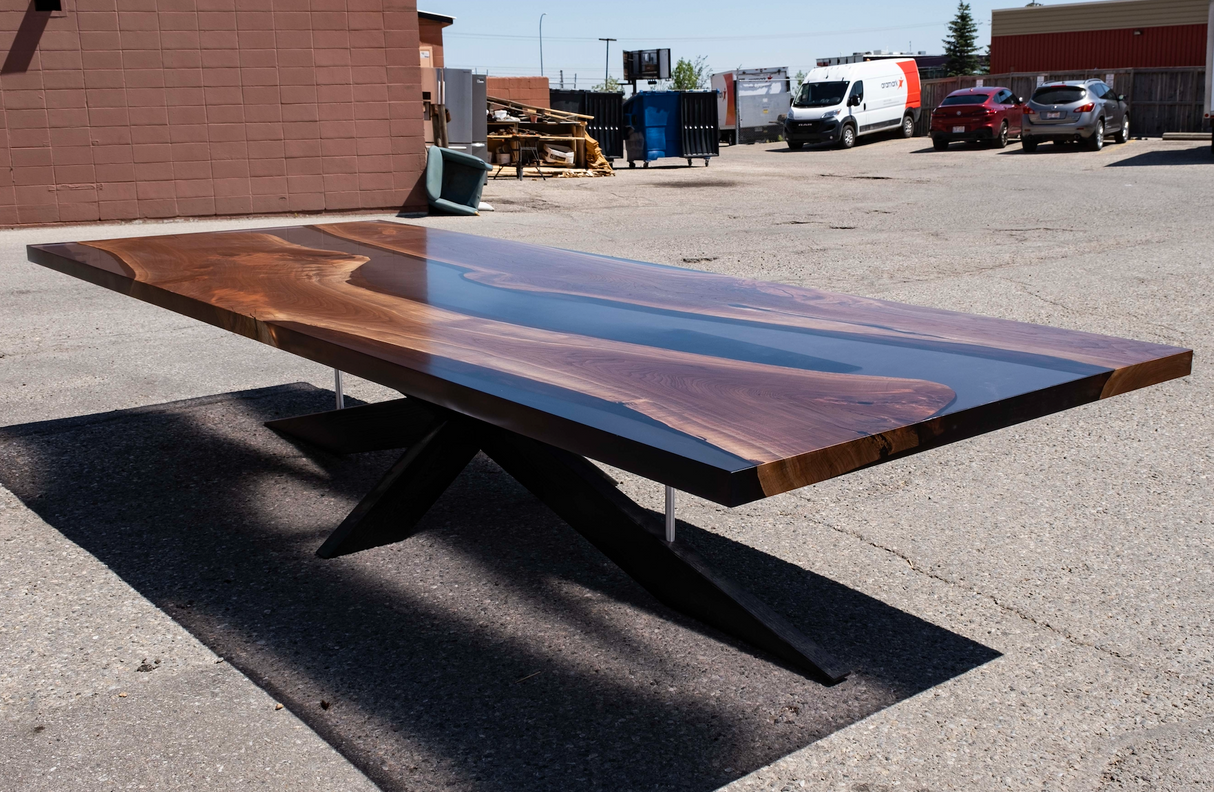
1000	140
848	137
1123	134
1028	144
1096	141
939	144
908	126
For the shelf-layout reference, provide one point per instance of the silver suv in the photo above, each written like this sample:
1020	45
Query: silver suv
1081	111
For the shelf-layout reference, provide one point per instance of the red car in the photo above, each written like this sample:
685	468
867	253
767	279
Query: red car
990	115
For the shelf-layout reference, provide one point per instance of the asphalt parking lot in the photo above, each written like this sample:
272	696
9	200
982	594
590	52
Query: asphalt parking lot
1030	609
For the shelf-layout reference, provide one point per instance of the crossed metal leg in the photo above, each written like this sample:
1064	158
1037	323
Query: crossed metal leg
440	444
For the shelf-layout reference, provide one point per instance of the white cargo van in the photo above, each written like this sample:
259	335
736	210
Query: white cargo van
837	104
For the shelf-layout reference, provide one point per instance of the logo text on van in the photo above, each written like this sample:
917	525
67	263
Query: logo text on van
892	84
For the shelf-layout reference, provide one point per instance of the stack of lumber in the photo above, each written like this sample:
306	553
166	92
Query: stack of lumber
552	142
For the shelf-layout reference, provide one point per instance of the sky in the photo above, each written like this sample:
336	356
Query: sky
502	37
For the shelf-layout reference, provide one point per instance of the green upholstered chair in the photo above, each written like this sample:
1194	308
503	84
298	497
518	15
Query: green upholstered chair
454	180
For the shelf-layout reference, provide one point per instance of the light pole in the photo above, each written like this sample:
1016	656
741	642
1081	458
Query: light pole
542	44
607	64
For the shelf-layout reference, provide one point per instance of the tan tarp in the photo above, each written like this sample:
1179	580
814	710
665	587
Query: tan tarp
595	161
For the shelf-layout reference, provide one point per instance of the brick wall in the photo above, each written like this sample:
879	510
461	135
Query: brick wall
528	90
124	109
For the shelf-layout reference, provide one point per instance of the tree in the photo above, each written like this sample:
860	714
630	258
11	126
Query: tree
961	46
689	75
611	86
797	79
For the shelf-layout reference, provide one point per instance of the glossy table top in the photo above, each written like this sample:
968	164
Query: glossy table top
730	389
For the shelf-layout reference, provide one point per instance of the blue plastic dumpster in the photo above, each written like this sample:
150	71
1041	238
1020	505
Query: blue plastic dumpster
661	124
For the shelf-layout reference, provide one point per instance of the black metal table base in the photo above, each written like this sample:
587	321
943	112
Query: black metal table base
440	444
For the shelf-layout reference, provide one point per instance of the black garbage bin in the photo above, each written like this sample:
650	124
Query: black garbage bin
606	126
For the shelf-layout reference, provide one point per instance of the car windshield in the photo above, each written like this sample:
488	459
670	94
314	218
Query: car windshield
1058	94
964	99
821	94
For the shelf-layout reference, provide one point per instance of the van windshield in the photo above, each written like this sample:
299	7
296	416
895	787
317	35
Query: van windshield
821	94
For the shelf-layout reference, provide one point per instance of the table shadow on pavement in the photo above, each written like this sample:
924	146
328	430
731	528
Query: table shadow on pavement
495	650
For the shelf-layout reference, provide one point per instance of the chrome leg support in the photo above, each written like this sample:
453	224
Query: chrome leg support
670	514
338	391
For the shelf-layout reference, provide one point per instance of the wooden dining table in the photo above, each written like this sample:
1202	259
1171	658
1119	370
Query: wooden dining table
729	389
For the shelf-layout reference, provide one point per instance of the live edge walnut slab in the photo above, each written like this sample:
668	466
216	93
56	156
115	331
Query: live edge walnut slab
726	388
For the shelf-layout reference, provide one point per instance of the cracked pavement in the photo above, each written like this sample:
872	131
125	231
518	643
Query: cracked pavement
1075	549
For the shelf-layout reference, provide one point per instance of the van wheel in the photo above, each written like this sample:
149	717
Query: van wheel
908	126
1029	145
848	138
795	145
1000	140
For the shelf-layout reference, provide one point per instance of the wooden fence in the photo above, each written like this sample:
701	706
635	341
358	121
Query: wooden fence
1161	100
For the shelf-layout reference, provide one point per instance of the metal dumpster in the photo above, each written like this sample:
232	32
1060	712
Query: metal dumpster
661	124
607	110
567	101
608	124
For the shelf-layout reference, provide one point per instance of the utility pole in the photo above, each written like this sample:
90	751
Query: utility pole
607	64
542	44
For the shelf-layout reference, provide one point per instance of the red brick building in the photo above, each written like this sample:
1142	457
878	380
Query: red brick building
1119	34
528	90
125	109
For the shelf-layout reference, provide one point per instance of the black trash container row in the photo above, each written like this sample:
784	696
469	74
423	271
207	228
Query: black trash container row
652	124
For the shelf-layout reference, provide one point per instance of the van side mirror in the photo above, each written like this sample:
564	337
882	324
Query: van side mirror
854	100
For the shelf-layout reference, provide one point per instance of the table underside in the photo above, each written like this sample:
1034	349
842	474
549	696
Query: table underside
441	443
